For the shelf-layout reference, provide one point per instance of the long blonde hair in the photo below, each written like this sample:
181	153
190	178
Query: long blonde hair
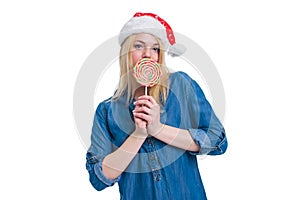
159	92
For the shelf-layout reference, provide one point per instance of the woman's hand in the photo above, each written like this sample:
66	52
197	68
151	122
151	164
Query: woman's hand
140	126
148	111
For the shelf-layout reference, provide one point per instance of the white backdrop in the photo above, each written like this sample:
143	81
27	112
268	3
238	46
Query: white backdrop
255	46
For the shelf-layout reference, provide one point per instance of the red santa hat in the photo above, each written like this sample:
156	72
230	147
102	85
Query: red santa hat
152	24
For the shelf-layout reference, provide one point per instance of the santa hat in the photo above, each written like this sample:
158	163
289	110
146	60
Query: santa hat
152	24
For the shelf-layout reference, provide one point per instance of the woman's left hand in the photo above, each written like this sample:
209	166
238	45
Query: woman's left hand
148	110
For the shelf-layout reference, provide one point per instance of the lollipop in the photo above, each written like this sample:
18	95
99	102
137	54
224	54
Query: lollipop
147	72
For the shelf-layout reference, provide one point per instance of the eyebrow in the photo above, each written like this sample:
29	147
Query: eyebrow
145	43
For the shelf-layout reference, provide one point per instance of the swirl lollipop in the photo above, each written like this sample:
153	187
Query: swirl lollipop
147	72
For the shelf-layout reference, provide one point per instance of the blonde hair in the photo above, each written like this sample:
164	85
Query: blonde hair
159	92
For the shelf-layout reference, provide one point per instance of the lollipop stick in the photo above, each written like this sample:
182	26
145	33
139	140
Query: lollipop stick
146	90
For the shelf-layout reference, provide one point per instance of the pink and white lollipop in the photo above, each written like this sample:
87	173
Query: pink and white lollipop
147	72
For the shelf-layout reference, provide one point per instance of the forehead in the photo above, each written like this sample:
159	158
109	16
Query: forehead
146	38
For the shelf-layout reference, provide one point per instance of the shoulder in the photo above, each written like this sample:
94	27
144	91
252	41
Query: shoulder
179	78
110	104
183	82
179	75
103	107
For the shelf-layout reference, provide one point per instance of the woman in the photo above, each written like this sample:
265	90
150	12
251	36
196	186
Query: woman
148	143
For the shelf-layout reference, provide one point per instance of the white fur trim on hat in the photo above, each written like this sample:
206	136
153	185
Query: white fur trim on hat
176	49
149	24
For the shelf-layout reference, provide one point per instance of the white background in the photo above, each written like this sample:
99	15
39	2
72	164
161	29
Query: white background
255	46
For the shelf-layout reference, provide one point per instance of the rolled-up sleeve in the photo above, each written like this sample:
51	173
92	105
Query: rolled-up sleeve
97	178
101	146
206	130
210	143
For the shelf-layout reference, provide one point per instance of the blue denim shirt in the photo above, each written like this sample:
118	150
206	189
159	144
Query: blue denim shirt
158	171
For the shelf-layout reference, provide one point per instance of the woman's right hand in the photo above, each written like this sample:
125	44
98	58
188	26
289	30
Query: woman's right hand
140	126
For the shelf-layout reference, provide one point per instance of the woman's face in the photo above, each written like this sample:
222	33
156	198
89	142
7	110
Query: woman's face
144	46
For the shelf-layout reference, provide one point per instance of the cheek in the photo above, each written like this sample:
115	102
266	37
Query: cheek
155	57
136	56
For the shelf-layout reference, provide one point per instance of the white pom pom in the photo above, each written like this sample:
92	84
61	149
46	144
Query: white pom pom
176	50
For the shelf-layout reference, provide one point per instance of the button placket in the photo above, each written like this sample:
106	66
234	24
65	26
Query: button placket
154	164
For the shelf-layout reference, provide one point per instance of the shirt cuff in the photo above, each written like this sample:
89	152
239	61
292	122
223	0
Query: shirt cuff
202	139
102	177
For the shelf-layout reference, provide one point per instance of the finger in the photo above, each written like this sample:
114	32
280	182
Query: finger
149	98
138	119
142	109
143	103
143	116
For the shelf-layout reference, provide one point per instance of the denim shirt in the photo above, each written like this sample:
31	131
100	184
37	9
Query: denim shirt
158	171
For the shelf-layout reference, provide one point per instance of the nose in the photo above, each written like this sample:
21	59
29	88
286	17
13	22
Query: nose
147	52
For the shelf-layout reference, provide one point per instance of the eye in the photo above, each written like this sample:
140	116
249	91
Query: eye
138	46
156	49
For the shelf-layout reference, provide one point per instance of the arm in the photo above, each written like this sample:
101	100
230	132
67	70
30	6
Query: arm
204	134
177	137
206	130
104	163
116	163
